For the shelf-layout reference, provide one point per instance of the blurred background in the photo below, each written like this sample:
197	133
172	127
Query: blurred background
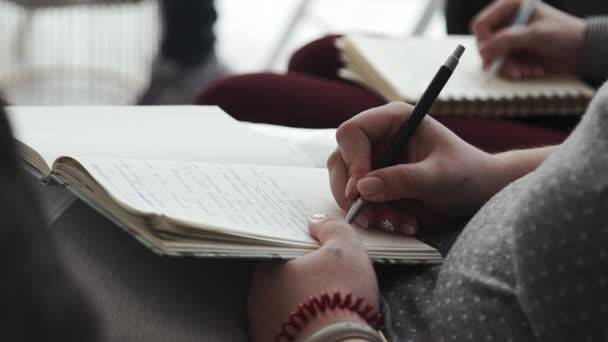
101	52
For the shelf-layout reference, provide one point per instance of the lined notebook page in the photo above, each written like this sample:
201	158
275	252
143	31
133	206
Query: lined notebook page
252	200
408	64
247	199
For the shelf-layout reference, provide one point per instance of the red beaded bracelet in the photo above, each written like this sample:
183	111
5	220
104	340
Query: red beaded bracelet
308	310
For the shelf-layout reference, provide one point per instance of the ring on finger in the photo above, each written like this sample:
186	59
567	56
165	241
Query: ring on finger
386	226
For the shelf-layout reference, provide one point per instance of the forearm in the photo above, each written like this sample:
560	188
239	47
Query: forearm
513	165
493	172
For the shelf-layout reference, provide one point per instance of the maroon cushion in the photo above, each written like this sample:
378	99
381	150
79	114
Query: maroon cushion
319	58
291	100
305	101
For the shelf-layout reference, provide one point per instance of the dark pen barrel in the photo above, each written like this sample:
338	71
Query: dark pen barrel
422	107
409	126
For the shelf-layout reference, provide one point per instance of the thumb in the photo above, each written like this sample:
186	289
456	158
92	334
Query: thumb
324	230
507	41
405	181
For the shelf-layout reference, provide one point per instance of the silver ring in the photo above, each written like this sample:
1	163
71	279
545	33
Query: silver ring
386	226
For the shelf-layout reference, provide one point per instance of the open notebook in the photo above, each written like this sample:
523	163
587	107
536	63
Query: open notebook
190	180
401	69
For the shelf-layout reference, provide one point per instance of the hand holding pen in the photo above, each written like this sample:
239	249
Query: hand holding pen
407	129
436	177
520	39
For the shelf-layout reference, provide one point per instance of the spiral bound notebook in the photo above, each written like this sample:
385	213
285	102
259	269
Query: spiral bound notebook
191	180
401	68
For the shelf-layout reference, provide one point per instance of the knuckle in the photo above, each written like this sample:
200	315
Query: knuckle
397	104
358	167
505	38
333	158
476	24
406	178
401	107
344	131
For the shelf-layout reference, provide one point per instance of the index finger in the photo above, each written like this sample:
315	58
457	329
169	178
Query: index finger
356	136
494	17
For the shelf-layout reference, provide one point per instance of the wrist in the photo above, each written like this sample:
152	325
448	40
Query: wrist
325	319
513	165
325	311
346	331
488	179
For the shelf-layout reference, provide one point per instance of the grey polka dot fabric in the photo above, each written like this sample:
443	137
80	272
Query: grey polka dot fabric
532	265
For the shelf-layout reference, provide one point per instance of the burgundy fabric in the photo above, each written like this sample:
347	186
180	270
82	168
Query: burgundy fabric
317	58
294	99
305	101
312	95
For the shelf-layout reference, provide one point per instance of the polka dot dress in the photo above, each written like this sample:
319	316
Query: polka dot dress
532	265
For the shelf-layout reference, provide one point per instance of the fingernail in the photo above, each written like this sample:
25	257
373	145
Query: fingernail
316	218
362	221
369	186
349	188
408	228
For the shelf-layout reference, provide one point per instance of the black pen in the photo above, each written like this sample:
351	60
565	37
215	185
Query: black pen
409	126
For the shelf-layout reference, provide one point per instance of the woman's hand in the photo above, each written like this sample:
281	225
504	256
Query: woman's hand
341	264
552	41
440	177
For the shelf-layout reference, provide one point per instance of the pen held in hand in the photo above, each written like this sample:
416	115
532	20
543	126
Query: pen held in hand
521	18
409	126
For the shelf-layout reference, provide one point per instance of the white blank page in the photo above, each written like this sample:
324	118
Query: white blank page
190	133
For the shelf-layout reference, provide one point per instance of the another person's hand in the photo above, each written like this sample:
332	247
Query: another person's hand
552	41
440	177
341	264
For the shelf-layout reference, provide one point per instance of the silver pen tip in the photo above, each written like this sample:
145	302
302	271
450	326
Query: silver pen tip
459	51
355	209
454	58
